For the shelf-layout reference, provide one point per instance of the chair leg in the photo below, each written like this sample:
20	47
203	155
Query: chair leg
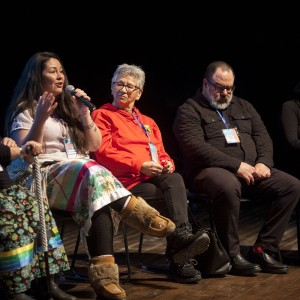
149	267
140	249
279	255
126	252
75	251
298	230
72	274
62	230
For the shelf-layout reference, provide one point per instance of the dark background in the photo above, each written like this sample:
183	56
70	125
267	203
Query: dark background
172	42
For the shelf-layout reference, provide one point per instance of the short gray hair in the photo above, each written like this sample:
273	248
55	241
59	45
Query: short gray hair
130	70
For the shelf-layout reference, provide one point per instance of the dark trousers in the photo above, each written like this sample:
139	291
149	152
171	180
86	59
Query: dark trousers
170	189
225	190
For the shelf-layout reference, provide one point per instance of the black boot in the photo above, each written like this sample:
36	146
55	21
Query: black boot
242	267
182	244
56	292
20	296
185	273
265	258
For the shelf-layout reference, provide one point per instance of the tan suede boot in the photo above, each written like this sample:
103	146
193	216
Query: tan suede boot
143	217
104	278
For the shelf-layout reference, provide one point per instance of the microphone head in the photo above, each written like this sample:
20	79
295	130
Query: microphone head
69	88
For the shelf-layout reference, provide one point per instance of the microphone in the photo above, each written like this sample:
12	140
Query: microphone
71	90
28	149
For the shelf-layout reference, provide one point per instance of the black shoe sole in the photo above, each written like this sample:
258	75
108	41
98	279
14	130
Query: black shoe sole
188	280
246	272
275	271
197	247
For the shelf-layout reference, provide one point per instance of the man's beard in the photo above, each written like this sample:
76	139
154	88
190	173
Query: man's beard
221	106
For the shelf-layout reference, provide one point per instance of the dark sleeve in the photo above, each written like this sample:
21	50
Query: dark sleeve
4	155
290	115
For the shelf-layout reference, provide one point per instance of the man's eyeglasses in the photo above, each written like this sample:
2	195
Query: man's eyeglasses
220	88
129	87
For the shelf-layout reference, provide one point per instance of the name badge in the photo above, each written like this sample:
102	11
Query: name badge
70	149
231	136
153	152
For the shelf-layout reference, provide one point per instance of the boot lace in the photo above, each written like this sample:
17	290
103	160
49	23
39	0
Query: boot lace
189	264
184	229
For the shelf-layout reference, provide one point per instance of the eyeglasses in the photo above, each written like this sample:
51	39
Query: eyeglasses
129	87
220	88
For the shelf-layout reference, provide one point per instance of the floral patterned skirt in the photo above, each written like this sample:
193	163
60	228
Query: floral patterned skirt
82	186
22	257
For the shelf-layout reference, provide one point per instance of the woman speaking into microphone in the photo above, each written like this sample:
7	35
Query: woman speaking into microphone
42	110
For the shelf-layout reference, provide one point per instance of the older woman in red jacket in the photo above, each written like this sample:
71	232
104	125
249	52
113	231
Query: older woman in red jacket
132	148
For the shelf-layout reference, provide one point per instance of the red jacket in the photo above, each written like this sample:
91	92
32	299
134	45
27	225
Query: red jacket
125	145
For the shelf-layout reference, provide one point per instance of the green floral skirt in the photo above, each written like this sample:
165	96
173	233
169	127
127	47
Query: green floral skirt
21	252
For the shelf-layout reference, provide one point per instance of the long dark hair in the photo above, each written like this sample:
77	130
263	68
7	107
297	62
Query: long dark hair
28	90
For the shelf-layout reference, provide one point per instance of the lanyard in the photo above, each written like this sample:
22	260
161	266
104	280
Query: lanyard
223	119
136	117
153	150
231	134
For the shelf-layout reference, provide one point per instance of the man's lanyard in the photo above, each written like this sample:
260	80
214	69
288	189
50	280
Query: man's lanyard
231	134
222	118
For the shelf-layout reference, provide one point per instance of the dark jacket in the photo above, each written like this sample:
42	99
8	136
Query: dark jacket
290	122
198	130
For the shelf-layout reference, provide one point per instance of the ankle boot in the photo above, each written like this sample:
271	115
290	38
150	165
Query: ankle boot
104	278
57	293
183	245
143	217
20	296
